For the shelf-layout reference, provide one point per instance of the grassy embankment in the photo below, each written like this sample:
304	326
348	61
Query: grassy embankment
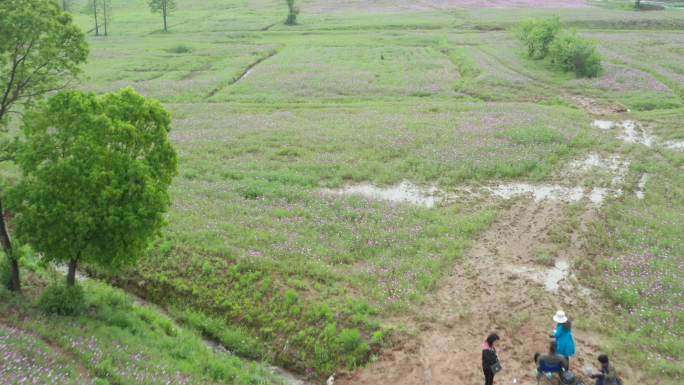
115	341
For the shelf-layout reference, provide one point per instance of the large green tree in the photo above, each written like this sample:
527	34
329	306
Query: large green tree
95	177
40	52
164	7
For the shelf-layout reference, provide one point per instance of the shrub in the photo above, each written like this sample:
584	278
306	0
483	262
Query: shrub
626	297
537	35
179	49
572	53
352	347
62	300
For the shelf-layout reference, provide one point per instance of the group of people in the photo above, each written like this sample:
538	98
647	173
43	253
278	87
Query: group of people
561	349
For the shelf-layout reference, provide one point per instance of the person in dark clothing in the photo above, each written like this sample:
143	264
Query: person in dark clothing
489	358
552	357
607	375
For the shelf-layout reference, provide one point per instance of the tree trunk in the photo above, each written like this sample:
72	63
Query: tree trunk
97	25
15	284
104	15
71	274
637	4
164	14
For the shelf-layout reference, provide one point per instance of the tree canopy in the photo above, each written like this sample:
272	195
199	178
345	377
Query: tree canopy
96	172
40	51
163	7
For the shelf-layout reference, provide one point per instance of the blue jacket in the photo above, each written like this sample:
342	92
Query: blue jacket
565	341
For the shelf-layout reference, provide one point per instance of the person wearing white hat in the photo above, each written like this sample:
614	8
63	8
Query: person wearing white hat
563	335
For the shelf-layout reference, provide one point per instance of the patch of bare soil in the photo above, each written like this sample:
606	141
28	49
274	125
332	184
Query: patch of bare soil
493	291
596	107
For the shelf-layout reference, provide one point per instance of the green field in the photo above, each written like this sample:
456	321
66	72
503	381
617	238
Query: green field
266	115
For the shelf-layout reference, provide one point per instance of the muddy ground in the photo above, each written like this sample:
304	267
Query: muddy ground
493	291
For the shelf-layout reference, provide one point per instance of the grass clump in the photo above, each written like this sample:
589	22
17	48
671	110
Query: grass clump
5	272
179	49
533	135
62	300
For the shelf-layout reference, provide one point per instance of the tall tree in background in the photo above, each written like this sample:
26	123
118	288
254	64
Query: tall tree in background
292	12
40	51
106	8
96	172
92	5
637	4
101	10
164	7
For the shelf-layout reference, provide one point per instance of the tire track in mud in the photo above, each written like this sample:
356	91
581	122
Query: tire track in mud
487	294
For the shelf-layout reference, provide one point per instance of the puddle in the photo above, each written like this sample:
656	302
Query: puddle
632	131
538	192
249	71
674	145
635	134
641	187
551	278
599	194
429	197
603	124
596	195
404	192
614	165
556	274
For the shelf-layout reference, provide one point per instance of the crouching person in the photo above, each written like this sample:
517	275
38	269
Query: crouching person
607	374
551	363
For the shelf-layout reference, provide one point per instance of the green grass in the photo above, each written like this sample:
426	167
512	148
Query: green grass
637	247
256	257
114	341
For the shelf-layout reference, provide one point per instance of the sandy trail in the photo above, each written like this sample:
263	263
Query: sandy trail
488	293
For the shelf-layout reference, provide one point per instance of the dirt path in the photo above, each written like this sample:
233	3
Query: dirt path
496	289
